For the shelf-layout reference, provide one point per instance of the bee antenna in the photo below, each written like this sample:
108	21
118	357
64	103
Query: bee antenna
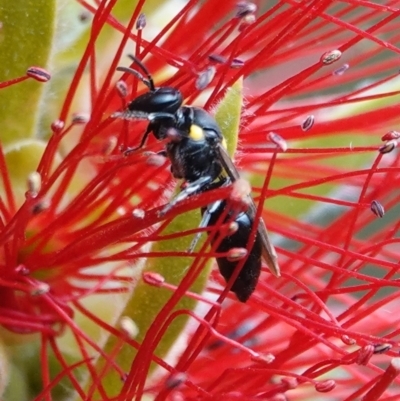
138	75
150	82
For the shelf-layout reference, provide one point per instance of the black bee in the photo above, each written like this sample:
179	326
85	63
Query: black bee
198	155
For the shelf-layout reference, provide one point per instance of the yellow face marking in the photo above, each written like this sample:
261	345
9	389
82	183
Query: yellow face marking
224	145
196	133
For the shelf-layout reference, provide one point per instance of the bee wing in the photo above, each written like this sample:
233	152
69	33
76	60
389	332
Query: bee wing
268	250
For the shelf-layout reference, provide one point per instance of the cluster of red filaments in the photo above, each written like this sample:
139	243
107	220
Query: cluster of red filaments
316	105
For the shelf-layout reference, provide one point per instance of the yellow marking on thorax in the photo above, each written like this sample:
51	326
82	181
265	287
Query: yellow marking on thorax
224	144
196	133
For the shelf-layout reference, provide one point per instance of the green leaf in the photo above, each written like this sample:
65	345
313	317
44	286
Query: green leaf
149	8
228	115
350	161
147	301
26	39
22	158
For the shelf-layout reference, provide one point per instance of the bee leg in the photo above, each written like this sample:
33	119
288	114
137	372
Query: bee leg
152	117
204	222
128	151
191	189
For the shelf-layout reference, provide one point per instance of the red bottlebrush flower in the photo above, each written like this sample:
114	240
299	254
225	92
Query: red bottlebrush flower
96	267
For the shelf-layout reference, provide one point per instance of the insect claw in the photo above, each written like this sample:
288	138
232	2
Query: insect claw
194	243
204	223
